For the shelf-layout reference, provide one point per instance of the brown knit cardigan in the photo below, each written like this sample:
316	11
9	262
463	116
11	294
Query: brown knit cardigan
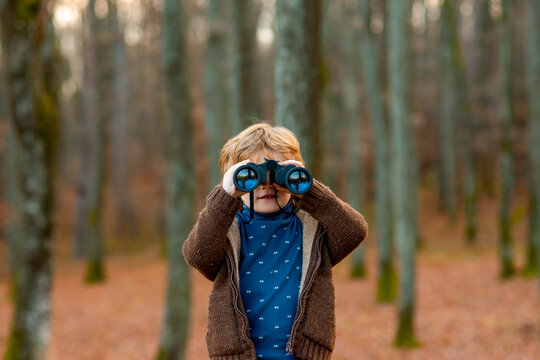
331	230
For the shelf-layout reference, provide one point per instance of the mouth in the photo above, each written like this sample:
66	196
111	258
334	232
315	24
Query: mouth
267	197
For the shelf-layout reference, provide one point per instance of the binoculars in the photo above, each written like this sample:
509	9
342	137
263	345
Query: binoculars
297	180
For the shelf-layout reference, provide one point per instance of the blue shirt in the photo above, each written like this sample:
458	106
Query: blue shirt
270	274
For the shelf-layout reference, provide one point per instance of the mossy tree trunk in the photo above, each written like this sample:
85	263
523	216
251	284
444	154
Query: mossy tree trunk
218	123
181	182
297	75
534	104
14	231
355	188
30	55
99	94
463	108
404	234
386	276
505	157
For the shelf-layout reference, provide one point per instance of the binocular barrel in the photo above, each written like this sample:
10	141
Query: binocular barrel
297	180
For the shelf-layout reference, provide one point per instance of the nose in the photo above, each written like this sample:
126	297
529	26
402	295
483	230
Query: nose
267	181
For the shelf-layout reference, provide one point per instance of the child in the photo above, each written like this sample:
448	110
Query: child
273	296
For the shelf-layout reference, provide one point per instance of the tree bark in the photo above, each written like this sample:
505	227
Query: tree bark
245	102
404	235
534	104
505	157
355	184
181	183
386	276
30	55
298	75
466	137
447	117
219	125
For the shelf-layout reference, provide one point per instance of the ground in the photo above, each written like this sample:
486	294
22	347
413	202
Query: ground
463	310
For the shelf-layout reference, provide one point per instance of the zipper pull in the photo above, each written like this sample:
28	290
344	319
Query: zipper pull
289	347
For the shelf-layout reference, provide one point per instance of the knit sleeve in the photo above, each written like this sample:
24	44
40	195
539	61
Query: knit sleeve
205	246
345	227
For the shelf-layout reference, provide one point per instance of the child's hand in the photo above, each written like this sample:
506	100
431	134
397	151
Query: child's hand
285	163
228	184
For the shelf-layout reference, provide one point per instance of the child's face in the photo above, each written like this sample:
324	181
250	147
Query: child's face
264	194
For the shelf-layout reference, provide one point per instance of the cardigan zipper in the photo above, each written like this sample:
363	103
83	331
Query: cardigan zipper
300	311
236	295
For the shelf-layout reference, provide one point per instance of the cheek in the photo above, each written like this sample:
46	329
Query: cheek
245	198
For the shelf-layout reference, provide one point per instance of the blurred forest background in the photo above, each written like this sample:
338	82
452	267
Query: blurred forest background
423	114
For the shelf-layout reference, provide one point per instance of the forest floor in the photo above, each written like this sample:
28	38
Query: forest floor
463	310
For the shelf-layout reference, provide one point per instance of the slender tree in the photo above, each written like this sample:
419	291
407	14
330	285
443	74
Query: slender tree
466	122
530	268
218	122
30	55
447	117
404	235
332	95
13	230
534	104
100	93
355	188
386	276
297	75
482	75
125	222
245	102
505	157
181	183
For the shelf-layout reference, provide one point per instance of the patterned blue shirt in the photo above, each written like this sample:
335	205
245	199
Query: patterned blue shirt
270	274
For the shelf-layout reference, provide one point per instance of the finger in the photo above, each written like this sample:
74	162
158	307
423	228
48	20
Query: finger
281	188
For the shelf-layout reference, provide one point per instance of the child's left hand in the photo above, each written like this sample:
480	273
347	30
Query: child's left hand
285	163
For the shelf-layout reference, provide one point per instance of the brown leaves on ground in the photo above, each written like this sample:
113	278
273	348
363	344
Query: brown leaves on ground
464	312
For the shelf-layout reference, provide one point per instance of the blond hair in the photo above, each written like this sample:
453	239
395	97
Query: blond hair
259	138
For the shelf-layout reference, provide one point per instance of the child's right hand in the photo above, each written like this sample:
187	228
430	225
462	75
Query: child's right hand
228	184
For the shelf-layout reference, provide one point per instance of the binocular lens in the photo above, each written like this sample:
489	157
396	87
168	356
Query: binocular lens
299	181
247	179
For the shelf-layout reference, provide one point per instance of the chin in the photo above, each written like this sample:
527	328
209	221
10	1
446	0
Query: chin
266	208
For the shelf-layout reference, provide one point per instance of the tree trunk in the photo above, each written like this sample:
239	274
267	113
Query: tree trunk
99	85
244	104
466	121
30	55
482	93
14	231
505	157
354	181
386	276
181	184
218	123
298	75
398	12
125	219
332	95
534	104
447	117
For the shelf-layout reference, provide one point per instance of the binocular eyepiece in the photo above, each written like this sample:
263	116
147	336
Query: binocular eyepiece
297	180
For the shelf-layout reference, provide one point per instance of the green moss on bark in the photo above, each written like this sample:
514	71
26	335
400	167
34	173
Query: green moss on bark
405	334
95	272
387	285
14	345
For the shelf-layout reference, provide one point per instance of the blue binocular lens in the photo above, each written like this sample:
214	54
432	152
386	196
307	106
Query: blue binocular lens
299	181
246	179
